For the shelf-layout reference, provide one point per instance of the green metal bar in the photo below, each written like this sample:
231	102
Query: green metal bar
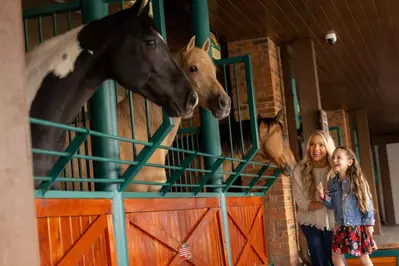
205	178
131	109
251	101
127	195
210	137
40	26
255	179
73	195
159	16
238	107
50	9
102	109
225	218
62	162
270	182
165	189
248	157
54	20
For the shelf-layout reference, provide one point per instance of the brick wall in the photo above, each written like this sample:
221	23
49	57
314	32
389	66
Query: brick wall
269	92
339	118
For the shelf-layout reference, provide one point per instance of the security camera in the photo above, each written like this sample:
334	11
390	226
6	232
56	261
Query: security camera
331	37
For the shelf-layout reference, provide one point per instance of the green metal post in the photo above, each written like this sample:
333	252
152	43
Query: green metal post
225	215
210	138
102	112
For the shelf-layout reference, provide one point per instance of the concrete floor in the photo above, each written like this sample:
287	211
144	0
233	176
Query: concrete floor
389	237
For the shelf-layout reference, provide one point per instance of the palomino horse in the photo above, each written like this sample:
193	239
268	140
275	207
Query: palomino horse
273	146
63	73
201	72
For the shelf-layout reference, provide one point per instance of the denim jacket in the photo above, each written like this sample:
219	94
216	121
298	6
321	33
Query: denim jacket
343	200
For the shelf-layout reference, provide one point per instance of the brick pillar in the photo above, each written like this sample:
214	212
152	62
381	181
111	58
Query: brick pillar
269	95
339	118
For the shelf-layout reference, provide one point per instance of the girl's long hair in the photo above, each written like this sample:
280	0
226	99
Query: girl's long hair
359	184
307	164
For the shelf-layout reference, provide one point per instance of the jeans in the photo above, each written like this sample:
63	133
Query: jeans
320	245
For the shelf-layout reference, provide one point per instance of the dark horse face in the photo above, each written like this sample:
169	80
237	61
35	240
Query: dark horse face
140	60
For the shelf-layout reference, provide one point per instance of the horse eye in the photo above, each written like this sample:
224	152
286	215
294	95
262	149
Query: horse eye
193	69
151	43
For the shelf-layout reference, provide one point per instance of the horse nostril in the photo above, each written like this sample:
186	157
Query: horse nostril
193	99
224	102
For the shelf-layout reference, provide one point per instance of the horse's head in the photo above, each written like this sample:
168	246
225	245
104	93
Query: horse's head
274	146
201	71
139	59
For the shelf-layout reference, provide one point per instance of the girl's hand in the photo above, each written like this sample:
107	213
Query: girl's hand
369	231
320	189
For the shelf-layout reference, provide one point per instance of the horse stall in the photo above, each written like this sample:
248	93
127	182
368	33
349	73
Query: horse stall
109	206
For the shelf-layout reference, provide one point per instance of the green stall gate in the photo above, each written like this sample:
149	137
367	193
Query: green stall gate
194	215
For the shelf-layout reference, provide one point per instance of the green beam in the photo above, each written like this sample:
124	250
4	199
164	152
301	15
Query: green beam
103	118
210	137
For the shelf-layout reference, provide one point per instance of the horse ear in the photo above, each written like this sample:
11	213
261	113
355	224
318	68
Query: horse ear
206	45
136	7
280	116
191	44
259	117
144	11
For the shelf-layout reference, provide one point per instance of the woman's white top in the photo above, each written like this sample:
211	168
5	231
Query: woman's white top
322	218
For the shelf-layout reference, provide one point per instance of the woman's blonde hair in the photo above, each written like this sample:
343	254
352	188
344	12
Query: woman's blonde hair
359	184
307	165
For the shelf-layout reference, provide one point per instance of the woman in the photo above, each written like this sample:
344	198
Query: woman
315	219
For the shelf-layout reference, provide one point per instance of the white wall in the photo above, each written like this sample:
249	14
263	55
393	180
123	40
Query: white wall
393	161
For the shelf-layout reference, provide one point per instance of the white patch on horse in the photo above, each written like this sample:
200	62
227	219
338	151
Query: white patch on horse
90	52
57	55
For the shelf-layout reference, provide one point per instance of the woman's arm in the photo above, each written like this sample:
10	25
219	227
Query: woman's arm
300	197
315	205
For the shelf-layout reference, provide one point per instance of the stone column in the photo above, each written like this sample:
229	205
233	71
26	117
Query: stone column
18	225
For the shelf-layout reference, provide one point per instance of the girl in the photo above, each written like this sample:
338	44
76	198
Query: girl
349	196
316	220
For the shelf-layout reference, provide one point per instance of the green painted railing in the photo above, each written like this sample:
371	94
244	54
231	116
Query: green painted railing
187	177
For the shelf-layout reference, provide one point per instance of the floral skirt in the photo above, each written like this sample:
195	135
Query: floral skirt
352	240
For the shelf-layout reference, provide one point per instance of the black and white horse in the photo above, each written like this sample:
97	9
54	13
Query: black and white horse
63	73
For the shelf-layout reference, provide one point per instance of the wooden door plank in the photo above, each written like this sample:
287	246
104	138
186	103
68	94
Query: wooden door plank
72	207
248	235
85	241
143	223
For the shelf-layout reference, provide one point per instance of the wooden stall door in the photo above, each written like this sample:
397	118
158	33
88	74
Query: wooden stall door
179	231
75	232
247	230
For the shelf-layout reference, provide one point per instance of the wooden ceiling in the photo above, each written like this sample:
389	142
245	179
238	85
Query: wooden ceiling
360	70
